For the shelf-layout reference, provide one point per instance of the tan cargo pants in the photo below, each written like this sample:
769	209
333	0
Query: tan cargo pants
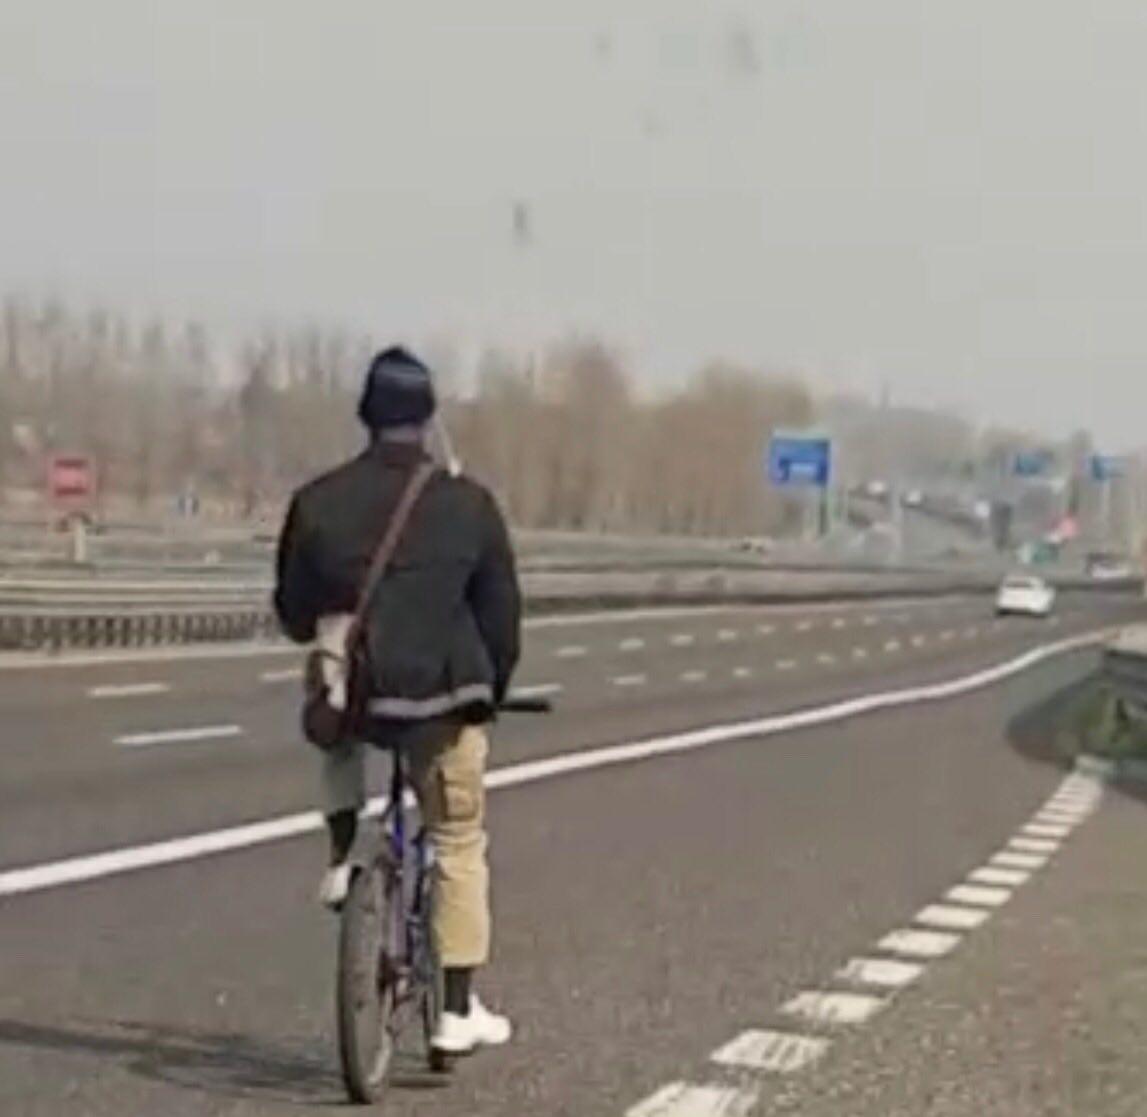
448	782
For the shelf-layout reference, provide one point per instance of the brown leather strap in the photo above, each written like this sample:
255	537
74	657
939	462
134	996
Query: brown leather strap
417	481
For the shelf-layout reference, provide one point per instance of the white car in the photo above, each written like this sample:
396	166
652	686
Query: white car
1025	595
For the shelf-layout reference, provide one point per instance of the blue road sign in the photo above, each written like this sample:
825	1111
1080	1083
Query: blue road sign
800	460
1106	468
1031	463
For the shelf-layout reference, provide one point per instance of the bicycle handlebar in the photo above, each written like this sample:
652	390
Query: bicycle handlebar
513	705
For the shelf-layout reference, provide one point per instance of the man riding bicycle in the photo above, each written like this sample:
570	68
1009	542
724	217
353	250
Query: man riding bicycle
443	633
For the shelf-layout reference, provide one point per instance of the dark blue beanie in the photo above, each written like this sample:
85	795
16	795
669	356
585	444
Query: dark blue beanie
397	392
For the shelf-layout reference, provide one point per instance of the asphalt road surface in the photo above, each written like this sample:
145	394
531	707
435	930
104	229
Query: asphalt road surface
801	787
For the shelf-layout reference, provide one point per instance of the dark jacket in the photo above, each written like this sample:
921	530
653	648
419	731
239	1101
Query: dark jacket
444	624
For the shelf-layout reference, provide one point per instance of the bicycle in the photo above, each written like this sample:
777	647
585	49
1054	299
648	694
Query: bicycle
388	973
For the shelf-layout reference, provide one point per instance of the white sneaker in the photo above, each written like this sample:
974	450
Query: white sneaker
335	886
461	1035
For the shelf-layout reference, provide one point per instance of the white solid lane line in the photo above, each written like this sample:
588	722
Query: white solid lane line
771	1052
572	651
679	1099
630	680
287	674
127	690
632	644
179	736
128	859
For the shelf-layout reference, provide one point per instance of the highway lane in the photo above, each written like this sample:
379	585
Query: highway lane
80	760
648	914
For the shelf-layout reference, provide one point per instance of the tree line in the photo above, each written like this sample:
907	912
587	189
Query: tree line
567	439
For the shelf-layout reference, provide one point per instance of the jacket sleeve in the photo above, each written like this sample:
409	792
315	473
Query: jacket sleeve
296	591
495	598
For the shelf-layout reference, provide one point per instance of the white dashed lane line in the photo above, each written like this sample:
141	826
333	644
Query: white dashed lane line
770	1051
632	644
766	629
892	646
786	664
727	635
742	672
912	943
859	653
1011	878
950	918
826	659
875	982
572	651
179	736
682	640
630	680
833	1008
804	626
286	674
679	1099
535	690
694	676
978	896
127	690
881	973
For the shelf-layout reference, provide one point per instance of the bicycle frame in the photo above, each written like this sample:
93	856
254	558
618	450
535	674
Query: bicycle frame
408	863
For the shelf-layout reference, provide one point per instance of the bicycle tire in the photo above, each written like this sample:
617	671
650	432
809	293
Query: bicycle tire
365	985
430	972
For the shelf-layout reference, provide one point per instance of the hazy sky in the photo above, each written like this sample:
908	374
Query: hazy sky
949	197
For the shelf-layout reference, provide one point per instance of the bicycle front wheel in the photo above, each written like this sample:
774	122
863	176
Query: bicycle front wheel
366	985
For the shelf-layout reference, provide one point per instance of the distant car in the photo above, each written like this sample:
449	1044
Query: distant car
1108	569
1025	595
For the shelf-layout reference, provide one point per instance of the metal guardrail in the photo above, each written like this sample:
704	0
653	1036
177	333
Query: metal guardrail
59	615
1125	669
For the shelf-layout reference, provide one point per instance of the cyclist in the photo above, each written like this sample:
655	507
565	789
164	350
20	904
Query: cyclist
443	631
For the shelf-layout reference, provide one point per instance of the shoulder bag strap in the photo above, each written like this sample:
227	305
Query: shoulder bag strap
417	481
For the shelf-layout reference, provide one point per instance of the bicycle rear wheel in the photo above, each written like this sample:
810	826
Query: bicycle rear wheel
366	985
